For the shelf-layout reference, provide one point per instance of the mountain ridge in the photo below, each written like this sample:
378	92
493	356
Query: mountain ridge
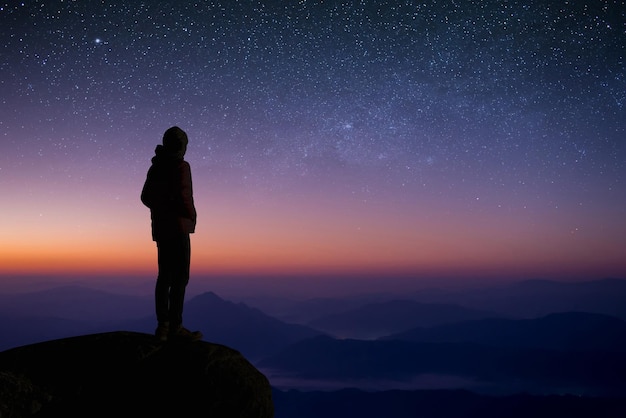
490	367
378	319
579	331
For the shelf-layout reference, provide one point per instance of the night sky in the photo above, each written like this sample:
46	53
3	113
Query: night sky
426	139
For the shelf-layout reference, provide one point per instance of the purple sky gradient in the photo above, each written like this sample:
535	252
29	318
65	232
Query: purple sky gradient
445	139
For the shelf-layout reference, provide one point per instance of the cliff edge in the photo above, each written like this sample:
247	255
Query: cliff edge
130	374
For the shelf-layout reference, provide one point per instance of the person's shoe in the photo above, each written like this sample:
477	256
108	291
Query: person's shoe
182	333
162	331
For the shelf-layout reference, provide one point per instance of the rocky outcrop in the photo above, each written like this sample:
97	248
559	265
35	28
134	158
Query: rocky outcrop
126	374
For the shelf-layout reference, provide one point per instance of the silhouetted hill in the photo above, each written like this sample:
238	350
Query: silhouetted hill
66	311
77	303
576	331
440	404
236	325
306	310
328	358
125	374
17	330
246	329
534	298
379	319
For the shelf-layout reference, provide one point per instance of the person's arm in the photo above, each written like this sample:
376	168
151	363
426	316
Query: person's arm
186	192
148	192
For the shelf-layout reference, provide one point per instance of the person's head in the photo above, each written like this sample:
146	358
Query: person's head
175	141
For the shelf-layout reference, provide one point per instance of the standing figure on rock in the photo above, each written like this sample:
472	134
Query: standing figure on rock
169	195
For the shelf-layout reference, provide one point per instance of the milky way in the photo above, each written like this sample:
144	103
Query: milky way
474	106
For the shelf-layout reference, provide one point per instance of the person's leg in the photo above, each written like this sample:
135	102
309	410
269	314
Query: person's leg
181	259
164	279
180	279
166	261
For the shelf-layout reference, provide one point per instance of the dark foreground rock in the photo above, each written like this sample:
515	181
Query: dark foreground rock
126	374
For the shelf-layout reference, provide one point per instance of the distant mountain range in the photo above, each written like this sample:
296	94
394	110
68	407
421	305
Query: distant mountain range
64	311
574	351
489	368
534	298
378	319
246	329
70	311
76	302
569	331
480	339
305	311
525	299
17	330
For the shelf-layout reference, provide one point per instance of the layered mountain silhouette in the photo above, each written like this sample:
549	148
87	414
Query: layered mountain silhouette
534	298
525	299
488	341
76	303
65	311
246	329
568	331
378	319
22	330
307	310
578	372
237	325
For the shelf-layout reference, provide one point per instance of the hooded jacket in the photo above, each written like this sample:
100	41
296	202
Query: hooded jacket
168	193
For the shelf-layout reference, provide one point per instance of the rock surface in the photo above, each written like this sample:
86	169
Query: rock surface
130	374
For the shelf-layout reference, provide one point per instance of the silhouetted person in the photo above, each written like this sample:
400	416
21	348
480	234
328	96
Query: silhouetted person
169	195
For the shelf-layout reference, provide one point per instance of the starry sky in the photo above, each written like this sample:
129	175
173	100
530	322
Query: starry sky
421	139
